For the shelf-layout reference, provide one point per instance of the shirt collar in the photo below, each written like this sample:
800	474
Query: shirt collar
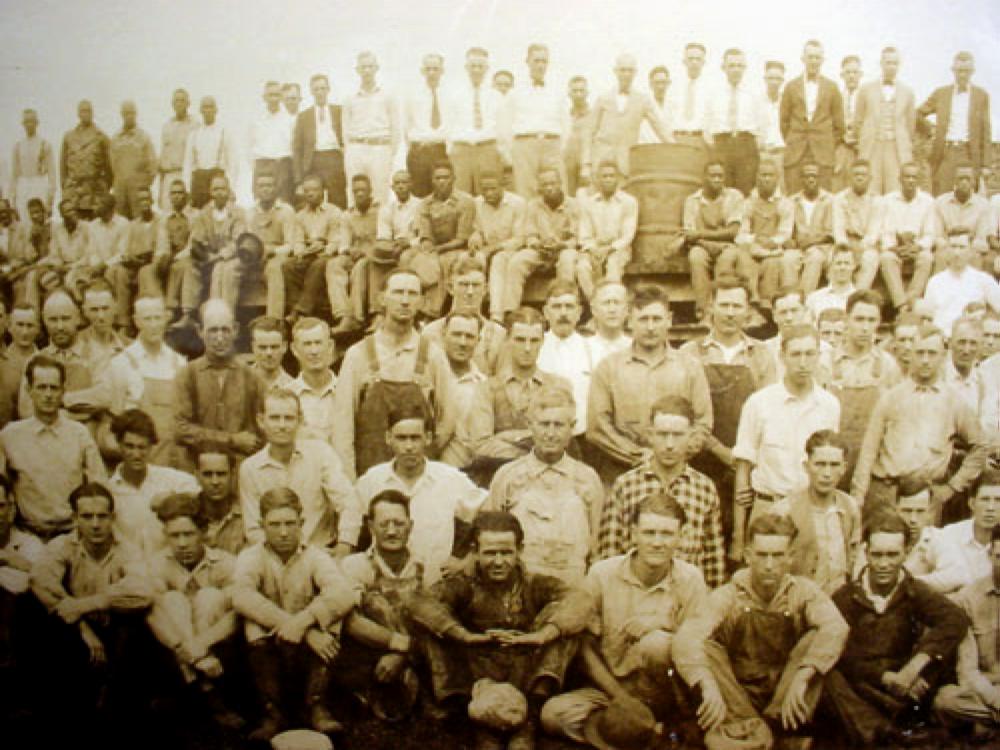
539	467
38	426
268	460
300	386
629	577
411	568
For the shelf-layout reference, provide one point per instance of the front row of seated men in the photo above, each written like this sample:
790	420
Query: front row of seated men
761	661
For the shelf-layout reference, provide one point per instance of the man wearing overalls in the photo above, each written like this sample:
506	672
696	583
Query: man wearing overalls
390	366
759	648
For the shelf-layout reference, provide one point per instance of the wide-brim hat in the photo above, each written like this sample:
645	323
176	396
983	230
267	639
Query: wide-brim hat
301	739
621	726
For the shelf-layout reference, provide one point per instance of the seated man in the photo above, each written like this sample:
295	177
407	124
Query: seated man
964	213
712	218
331	519
827	521
766	225
98	587
551	232
840	273
442	498
445	221
173	247
883	684
759	647
379	659
293	600
813	235
976	697
347	279
501	632
396	233
907	235
70	249
958	554
220	506
317	233
557	499
498	234
856	223
641	599
273	222
192	614
564	350
608	222
133	275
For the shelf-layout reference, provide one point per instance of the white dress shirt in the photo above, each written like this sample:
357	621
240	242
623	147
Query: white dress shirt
748	113
772	122
135	519
957	558
462	118
209	147
812	95
271	135
677	96
537	109
571	358
958	123
418	113
326	139
949	294
664	111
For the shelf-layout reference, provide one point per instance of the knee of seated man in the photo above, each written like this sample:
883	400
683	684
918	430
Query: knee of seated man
697	255
210	598
655	649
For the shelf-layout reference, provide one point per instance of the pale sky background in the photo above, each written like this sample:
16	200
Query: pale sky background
55	52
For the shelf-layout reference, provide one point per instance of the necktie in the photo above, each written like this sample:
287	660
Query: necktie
689	101
477	110
734	109
322	113
435	110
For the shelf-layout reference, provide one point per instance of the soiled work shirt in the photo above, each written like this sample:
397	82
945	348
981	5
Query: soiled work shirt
611	221
442	221
174	142
214	571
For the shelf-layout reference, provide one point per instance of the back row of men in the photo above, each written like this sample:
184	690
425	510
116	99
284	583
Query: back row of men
483	128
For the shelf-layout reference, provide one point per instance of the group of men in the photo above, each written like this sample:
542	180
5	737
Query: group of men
509	516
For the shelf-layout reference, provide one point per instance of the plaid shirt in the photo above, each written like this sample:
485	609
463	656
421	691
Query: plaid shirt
701	537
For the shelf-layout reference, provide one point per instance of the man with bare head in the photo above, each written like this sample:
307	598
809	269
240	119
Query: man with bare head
371	129
85	162
133	161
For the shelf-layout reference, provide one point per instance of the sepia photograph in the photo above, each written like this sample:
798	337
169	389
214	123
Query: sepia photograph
499	375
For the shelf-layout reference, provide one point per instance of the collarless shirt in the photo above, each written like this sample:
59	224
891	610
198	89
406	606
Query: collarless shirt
271	135
173	142
397	220
369	114
536	109
900	215
611	221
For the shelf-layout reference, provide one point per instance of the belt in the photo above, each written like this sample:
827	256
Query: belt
698	133
772	149
892	481
425	144
956	144
372	141
734	134
489	142
537	136
326	150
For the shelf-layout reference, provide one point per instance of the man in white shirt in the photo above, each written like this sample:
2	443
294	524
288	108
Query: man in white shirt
907	234
173	144
961	370
841	286
33	169
958	285
271	143
960	552
847	149
318	143
659	83
425	126
564	351
687	99
735	123
371	129
771	144
535	117
209	152
610	308
608	222
316	384
472	137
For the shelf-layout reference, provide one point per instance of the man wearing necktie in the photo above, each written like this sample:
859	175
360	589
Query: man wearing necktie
885	119
472	136
736	124
425	127
318	144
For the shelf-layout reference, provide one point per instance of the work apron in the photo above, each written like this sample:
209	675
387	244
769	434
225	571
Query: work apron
759	650
556	532
856	406
378	396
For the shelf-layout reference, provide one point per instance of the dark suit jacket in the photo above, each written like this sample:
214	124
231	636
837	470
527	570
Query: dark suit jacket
304	138
822	133
980	137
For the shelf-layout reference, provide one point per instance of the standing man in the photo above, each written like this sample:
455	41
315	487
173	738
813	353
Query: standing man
885	121
291	98
847	149
659	83
425	126
689	98
271	144
736	123
616	120
580	117
772	145
961	129
173	144
371	129
608	222
536	119
85	163
812	120
209	153
33	168
318	143
133	161
472	139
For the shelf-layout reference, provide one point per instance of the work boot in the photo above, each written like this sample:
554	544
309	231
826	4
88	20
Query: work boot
266	673
316	690
487	739
222	714
524	737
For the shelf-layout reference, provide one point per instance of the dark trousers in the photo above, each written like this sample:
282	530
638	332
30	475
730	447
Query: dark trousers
740	155
420	160
201	186
793	173
329	167
305	283
284	182
943	178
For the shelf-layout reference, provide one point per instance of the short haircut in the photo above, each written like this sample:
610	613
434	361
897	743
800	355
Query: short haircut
929	330
536	47
850	59
813	43
181	505
561	287
468	264
528	316
212	450
607	164
502	73
388	497
496	522
988	477
861	163
974	323
731	52
886	521
410	408
661	503
864	297
309	323
362	177
787	291
605	283
280	394
98	286
465	315
695	45
677	406
477	52
90	489
799	331
552	397
965	56
714	162
650	294
832	315
825	439
774	64
443	164
290	86
269	324
319	77
46	362
574	79
728	282
489	174
771	524
279	497
136	422
889	50
659	69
